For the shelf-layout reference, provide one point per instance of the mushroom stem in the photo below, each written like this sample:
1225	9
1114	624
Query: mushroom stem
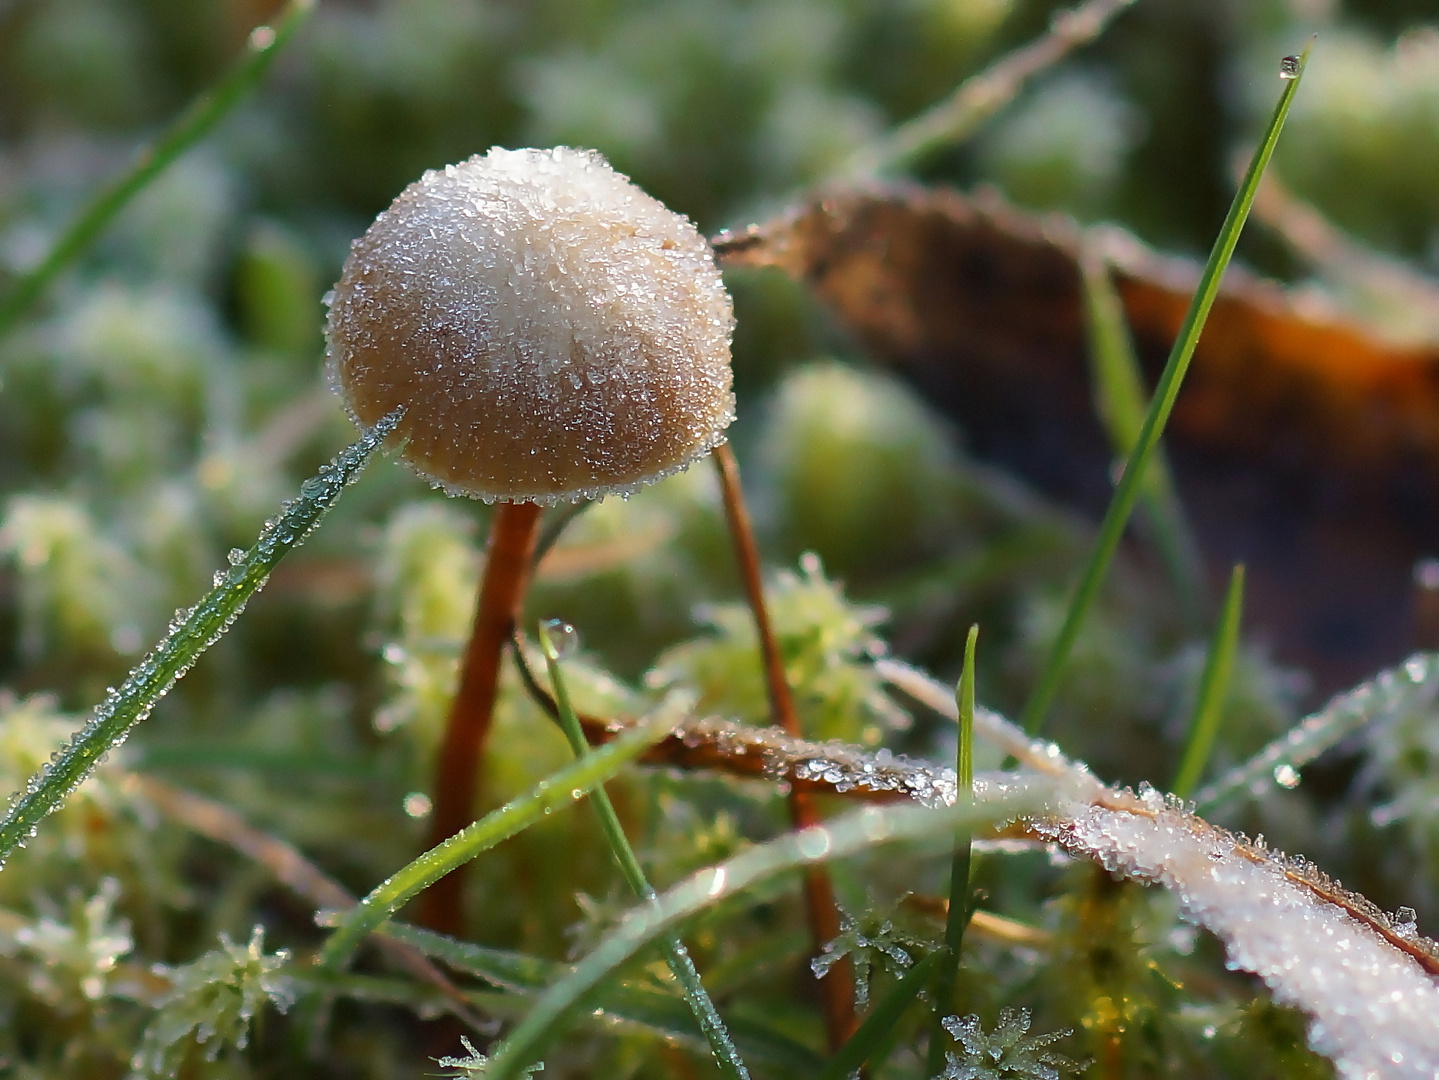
836	989
513	535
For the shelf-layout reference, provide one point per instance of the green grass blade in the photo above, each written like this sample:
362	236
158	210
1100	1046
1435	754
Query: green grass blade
558	790
678	957
1120	401
190	634
958	917
657	1010
870	1041
265	43
847	836
1213	689
1111	529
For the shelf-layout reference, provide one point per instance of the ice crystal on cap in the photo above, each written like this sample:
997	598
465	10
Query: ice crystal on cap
554	332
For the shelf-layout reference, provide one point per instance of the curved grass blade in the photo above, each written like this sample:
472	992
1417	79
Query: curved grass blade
1213	689
957	918
676	955
658	1011
1116	517
1119	394
851	834
191	633
1412	686
871	1040
560	789
264	44
982	95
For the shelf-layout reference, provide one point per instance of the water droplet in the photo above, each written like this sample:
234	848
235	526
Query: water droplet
1286	776
417	804
1289	67
563	637
235	556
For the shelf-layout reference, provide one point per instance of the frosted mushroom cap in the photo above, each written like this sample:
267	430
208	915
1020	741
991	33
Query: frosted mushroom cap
553	332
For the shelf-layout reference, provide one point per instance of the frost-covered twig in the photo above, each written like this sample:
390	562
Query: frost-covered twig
1373	1008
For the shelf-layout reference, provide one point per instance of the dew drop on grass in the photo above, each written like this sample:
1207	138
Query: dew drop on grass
1286	776
1289	67
564	637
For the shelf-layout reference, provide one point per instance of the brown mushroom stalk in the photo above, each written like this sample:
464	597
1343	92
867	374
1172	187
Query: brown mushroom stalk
513	534
836	989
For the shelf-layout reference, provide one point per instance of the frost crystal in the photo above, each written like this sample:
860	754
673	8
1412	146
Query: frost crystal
554	332
1003	1052
474	1063
875	940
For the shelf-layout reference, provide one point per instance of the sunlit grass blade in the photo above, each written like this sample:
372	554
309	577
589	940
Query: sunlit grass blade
559	790
1116	517
1213	689
678	957
652	1008
1120	400
264	45
982	95
1410	688
959	899
871	1039
847	836
190	634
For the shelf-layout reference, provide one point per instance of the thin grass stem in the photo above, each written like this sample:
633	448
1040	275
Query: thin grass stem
1120	400
957	918
872	1039
198	120
1116	518
677	956
191	633
559	790
1213	689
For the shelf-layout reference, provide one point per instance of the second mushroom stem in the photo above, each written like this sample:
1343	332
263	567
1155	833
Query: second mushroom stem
514	532
837	987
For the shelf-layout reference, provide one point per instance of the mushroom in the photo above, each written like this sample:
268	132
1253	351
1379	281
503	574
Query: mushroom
553	334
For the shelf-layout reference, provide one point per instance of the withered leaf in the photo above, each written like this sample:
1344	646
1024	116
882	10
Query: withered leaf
1301	445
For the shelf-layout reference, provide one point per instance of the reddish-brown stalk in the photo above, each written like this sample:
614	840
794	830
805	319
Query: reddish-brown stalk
513	535
836	989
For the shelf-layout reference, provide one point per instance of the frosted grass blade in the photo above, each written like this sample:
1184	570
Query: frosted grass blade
1412	686
676	955
851	834
1116	517
1120	400
1213	689
191	633
264	44
558	790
